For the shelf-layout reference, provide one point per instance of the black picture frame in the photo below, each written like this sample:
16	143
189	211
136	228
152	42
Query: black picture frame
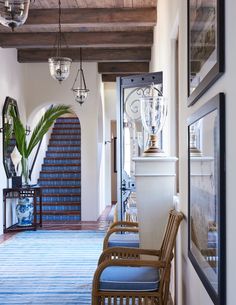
9	141
207	196
206	46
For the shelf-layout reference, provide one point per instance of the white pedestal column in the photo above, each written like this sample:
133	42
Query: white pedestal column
155	186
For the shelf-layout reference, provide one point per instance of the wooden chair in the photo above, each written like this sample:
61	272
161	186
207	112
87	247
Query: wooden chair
125	276
129	238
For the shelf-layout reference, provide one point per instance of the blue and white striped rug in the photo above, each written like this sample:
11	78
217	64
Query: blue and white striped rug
49	267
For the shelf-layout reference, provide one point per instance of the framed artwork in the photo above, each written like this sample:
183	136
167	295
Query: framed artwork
206	201
9	141
205	45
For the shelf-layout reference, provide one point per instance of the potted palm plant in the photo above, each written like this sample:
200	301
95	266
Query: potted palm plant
25	147
24	207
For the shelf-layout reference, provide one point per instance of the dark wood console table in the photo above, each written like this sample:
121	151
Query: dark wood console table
29	192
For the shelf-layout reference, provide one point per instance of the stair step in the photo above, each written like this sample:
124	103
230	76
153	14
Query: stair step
61	212
59	195
61	167
62	158
65	123
65	208
61	161
58	154
65	130
59	182
61	198
60	144
56	203
60	175
61	192
59	179
67	119
64	142
60	187
62	148
65	136
68	131
61	218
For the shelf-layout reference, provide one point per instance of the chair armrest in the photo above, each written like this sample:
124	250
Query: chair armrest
114	230
123	262
123	224
126	253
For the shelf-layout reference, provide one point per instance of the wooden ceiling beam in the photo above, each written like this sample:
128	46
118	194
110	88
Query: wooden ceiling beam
112	77
96	39
143	16
123	67
89	54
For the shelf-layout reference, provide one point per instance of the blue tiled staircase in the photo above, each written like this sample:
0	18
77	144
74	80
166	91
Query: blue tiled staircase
60	177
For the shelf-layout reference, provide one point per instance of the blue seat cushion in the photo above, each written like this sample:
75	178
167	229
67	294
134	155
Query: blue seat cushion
122	278
124	240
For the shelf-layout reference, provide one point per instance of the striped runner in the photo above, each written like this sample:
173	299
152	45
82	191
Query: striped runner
49	267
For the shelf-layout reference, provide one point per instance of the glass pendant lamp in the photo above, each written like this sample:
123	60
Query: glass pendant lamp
153	115
14	13
59	66
79	87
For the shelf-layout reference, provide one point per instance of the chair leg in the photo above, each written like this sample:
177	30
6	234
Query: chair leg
95	300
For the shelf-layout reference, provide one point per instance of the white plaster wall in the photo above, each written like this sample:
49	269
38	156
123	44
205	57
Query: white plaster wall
161	59
10	85
110	100
41	90
101	148
190	289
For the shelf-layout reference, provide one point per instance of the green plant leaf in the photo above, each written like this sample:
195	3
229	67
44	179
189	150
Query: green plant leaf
44	124
39	131
19	132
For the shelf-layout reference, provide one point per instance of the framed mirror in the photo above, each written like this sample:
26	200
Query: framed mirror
9	141
207	199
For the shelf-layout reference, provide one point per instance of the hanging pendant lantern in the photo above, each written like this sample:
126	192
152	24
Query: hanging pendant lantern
79	86
14	13
59	66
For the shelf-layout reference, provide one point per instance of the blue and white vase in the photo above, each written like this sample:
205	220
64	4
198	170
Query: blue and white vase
24	212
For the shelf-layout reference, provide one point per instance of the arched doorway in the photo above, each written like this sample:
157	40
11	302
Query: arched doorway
58	171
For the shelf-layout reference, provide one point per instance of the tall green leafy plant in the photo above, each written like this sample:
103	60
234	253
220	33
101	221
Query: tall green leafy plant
25	147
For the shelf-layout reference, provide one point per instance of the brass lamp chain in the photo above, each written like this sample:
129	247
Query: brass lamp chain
59	30
80	70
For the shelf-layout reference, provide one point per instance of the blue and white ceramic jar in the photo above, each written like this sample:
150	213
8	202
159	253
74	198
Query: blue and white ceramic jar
24	212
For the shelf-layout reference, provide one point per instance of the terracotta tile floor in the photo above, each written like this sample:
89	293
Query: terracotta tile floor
101	224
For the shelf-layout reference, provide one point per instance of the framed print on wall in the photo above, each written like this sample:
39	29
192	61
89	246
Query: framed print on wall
205	45
206	201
